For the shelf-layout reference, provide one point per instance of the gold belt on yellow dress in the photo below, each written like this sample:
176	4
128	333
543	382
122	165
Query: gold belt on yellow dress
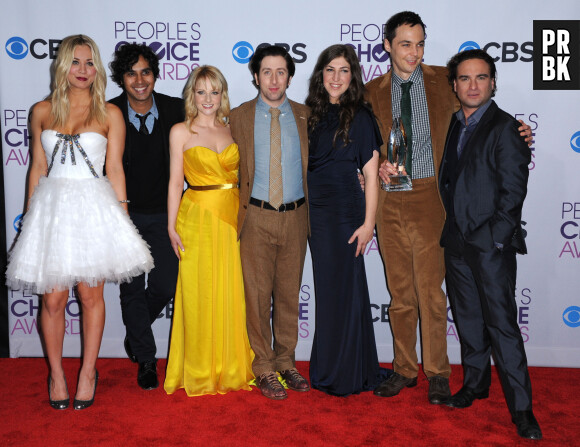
208	187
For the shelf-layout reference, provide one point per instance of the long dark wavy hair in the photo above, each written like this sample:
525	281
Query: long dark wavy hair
350	101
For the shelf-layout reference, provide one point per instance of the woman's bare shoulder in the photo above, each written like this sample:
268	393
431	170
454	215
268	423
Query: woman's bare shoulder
41	108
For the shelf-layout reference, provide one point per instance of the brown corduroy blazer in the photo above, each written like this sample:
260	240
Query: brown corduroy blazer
441	103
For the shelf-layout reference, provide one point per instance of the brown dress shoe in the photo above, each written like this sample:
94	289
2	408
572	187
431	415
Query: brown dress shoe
270	386
439	391
394	384
294	380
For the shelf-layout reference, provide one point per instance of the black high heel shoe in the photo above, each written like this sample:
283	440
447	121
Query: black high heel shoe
82	404
57	404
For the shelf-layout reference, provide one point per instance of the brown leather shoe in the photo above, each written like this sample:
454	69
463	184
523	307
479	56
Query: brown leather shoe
294	380
394	384
270	386
439	391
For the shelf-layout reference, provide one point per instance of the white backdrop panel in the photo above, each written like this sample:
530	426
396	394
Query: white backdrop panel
188	33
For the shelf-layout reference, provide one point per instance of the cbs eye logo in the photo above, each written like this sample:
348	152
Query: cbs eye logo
242	52
469	45
17	224
575	142
16	47
571	316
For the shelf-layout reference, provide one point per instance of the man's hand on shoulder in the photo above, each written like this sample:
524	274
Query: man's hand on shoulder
526	132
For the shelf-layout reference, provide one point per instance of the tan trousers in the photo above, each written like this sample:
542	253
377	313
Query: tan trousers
409	226
273	247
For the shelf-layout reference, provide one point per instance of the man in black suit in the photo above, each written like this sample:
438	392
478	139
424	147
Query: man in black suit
149	117
483	184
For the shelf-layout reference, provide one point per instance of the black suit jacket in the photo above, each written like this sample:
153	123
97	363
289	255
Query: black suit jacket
491	182
171	111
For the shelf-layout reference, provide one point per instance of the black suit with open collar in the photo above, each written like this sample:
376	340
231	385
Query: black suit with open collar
483	193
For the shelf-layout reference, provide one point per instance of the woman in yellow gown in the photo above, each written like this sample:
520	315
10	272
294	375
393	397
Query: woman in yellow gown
209	351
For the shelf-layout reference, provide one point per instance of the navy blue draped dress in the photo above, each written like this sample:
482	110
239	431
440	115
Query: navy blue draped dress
344	354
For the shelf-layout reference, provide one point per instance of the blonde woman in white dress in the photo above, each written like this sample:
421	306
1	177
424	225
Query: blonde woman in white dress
76	231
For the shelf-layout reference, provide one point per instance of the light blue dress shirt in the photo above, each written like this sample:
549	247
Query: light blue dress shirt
291	156
149	122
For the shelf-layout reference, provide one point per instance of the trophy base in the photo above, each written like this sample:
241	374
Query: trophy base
398	183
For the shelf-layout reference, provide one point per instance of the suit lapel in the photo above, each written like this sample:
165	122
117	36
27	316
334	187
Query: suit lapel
477	138
384	112
248	129
443	170
434	89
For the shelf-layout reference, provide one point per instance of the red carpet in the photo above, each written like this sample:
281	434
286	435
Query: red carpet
124	415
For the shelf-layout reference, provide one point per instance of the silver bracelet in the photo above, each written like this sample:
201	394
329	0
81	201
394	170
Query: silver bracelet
124	201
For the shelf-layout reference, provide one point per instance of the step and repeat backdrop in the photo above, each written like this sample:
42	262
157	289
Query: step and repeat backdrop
186	34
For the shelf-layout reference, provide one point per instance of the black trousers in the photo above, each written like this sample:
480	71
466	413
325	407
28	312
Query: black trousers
481	289
143	299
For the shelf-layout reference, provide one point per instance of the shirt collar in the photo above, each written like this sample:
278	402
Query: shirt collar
153	110
415	77
261	106
475	116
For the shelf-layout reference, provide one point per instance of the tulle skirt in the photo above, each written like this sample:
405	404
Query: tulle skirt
75	231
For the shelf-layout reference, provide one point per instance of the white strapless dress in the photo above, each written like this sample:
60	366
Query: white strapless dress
75	230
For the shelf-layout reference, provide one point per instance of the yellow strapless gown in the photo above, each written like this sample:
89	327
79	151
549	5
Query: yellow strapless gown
209	351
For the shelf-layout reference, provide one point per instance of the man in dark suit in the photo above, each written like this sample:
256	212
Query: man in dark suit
149	117
483	184
272	234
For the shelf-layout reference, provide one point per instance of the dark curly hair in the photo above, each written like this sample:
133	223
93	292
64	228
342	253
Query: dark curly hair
471	54
126	56
350	101
270	50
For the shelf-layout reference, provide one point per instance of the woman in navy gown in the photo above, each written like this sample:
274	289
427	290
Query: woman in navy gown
343	138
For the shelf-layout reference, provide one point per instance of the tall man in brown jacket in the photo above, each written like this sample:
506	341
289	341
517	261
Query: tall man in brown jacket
410	223
272	227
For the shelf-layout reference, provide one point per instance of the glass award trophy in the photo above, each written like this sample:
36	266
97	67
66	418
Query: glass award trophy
397	154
